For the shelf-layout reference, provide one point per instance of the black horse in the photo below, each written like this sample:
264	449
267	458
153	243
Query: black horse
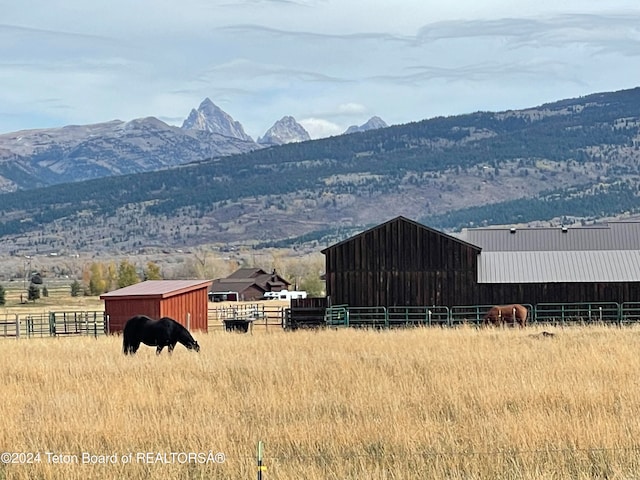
165	332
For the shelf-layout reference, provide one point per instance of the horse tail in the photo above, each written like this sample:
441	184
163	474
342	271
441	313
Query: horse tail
525	316
126	338
128	334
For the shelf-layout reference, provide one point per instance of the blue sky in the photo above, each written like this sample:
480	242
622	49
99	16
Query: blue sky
328	63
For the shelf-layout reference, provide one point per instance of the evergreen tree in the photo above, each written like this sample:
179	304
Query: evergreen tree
3	295
76	288
33	293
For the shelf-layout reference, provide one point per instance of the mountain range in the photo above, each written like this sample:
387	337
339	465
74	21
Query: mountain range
570	161
372	124
41	157
285	130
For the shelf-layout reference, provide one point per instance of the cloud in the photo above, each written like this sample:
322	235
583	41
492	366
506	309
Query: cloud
332	63
352	108
312	36
320	128
249	70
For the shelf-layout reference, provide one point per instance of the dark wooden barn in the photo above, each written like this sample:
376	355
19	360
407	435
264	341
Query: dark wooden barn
401	262
404	263
185	301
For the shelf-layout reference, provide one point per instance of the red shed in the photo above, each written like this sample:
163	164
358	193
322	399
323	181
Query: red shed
185	301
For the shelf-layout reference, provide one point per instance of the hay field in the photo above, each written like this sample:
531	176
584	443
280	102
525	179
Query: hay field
334	404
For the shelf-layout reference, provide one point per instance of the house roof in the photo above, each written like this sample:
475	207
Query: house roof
559	266
233	285
158	288
608	236
247	273
401	219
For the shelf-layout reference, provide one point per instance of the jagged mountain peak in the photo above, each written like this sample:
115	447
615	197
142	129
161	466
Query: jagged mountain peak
211	118
285	130
373	123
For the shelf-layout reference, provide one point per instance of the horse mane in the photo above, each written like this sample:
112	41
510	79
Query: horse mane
184	335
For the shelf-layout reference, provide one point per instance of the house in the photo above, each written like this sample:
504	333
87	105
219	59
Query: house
248	284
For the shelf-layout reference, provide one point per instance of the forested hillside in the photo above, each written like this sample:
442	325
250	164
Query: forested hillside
577	159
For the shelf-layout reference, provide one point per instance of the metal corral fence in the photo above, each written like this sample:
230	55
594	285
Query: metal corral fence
386	317
54	324
244	317
608	313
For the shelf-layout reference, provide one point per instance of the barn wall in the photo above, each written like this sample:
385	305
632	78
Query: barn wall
401	263
122	309
533	293
194	302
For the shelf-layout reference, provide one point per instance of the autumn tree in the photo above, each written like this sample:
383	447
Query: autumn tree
99	281
152	272
127	274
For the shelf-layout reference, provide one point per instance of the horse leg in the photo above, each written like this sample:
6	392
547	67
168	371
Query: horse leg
159	349
170	347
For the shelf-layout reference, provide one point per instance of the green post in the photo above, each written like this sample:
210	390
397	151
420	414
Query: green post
261	467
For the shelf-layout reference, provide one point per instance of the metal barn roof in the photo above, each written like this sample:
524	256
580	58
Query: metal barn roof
559	266
609	236
160	288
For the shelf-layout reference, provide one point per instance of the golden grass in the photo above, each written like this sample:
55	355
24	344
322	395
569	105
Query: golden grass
346	404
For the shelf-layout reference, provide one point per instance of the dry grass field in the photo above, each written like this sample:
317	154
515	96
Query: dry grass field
59	299
333	404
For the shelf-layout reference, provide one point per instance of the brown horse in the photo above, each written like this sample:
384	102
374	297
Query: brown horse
507	314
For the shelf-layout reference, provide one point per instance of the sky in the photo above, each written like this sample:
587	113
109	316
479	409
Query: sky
328	63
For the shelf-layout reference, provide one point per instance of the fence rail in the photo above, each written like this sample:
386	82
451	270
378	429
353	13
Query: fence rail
54	324
610	313
245	317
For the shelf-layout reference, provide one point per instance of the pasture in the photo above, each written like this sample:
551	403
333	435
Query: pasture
459	403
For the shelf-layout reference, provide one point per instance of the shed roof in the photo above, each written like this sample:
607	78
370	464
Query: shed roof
158	288
559	266
607	236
